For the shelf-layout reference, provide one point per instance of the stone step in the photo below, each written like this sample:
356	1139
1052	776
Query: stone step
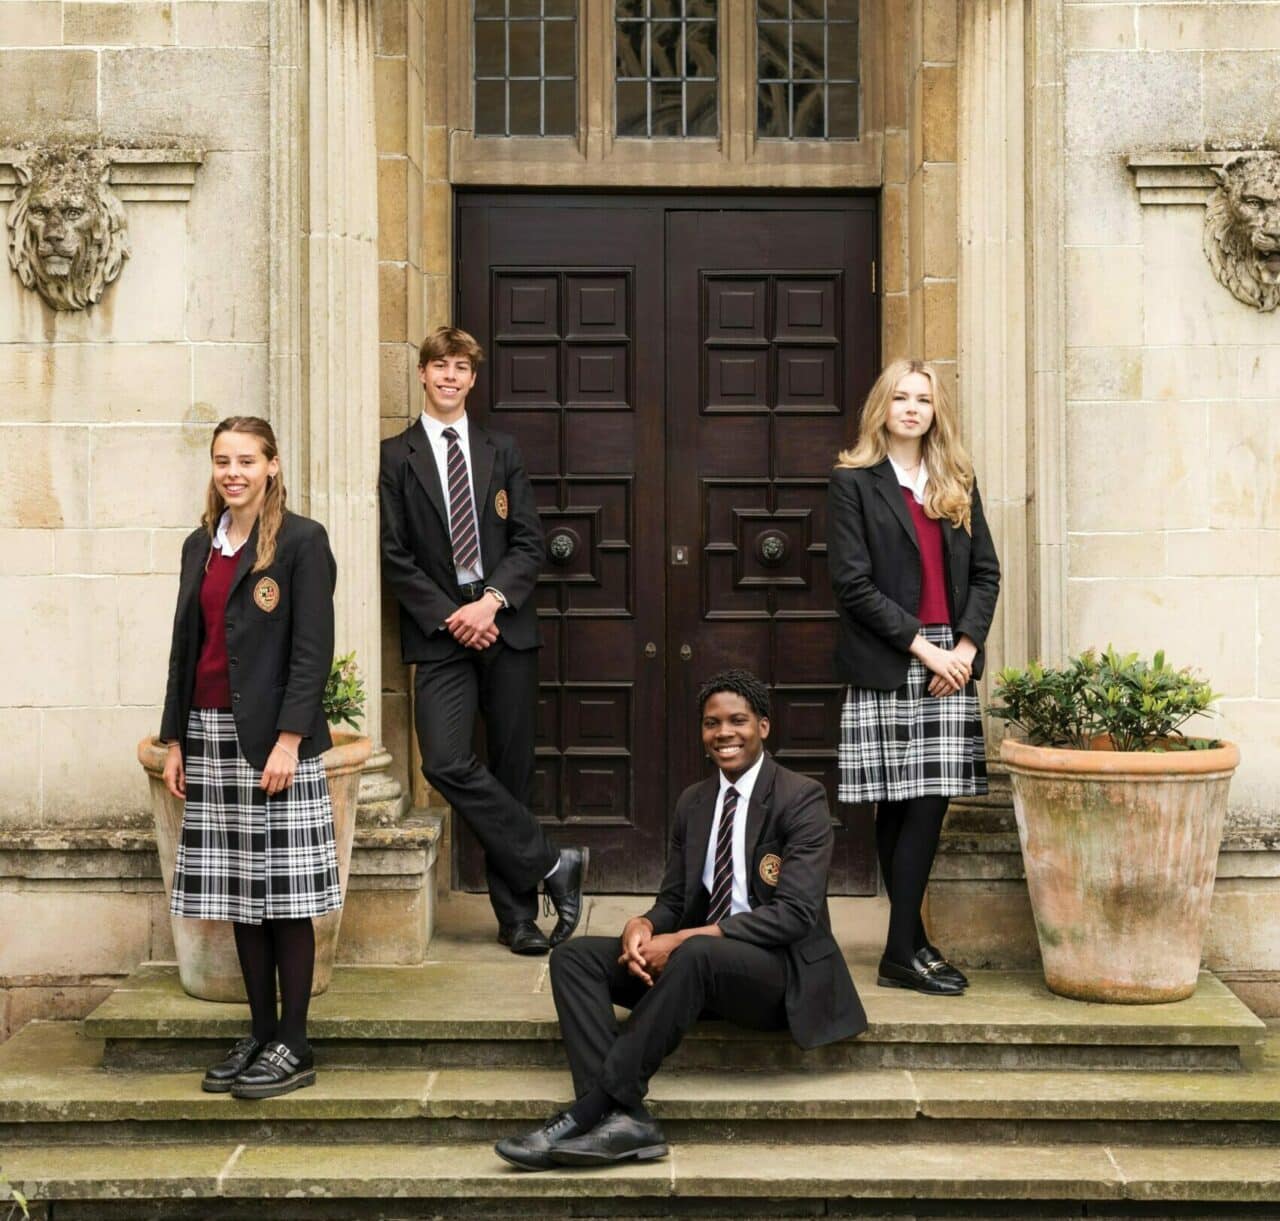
54	1090
500	1014
748	1179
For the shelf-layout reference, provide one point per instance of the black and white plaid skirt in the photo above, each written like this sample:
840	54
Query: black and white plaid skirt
895	745
245	856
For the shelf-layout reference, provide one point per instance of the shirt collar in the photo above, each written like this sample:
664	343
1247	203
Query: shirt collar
744	783
222	540
917	485
435	428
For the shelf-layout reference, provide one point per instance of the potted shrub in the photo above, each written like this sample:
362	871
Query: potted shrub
1119	817
206	952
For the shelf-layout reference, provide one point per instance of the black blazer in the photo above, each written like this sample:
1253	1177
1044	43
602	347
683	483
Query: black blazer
787	818
417	553
874	559
279	657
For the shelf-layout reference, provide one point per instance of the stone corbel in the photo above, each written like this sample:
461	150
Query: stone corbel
1177	177
68	235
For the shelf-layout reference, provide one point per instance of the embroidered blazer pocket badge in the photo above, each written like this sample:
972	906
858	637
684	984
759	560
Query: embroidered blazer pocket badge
770	868
266	595
501	505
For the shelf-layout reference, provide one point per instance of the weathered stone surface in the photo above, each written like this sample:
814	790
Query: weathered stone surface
222	23
32	23
229	379
96	936
1199	1174
47	93
116	1171
177	466
1119	101
1104	296
46	471
66	617
101	552
119	23
76	742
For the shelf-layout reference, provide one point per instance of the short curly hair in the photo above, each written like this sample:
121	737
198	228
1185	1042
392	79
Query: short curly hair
738	682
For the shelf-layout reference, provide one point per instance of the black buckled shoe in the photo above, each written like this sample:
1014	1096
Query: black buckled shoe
277	1070
532	1151
932	960
524	937
219	1078
618	1137
916	977
564	890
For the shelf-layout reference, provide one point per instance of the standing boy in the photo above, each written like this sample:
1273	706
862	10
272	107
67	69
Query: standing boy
462	547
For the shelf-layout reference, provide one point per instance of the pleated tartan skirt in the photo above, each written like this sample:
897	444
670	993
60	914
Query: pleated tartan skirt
896	745
245	856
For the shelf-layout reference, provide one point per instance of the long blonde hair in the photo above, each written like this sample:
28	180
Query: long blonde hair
949	490
272	512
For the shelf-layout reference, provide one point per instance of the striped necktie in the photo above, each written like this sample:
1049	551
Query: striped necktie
722	877
462	514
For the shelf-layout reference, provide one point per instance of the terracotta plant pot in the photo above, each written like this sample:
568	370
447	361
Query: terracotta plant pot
1121	851
207	963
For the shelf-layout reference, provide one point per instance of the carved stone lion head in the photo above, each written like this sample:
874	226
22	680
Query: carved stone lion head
68	233
1242	229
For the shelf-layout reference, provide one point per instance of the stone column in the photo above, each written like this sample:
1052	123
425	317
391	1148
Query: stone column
337	402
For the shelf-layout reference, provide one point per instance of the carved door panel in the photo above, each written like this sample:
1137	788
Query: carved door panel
771	347
567	302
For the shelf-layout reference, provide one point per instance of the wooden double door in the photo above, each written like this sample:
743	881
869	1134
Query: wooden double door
679	374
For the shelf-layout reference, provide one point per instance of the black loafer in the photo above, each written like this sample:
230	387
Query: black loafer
277	1070
564	889
917	978
932	960
219	1078
532	1151
618	1137
524	937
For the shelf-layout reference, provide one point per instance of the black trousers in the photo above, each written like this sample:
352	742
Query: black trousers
500	684
705	977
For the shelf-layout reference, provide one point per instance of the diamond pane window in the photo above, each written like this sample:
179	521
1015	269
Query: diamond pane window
667	62
526	54
807	69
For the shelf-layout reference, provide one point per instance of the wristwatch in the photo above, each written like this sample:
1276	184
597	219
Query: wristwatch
497	593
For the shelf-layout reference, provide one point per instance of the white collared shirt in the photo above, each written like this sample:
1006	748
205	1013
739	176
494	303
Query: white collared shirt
221	538
440	451
916	485
744	785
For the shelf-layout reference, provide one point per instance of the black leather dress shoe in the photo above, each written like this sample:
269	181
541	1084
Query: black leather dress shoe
277	1070
932	960
219	1078
532	1151
524	937
618	1137
917	978
564	889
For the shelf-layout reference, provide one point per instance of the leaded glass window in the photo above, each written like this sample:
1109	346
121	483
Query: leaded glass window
667	68
807	69
526	67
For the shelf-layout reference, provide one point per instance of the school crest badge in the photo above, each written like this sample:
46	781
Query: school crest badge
266	595
770	868
501	504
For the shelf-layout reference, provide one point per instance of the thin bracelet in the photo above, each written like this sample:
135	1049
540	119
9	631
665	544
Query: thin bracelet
287	751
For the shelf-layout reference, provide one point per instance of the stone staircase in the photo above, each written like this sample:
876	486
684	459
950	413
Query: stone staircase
1008	1102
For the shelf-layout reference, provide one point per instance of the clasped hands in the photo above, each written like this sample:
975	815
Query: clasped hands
472	624
951	668
645	953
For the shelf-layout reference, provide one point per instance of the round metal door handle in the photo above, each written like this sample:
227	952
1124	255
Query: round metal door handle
561	546
686	653
772	547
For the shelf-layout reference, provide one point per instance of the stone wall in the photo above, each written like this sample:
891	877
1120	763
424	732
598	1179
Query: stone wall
105	420
1172	385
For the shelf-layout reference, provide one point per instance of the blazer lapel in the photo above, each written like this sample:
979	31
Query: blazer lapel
758	810
245	561
423	462
482	458
887	485
698	838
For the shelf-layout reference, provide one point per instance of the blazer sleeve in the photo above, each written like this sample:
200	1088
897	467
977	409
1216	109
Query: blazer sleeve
668	908
974	620
420	596
793	910
179	648
849	559
517	571
313	578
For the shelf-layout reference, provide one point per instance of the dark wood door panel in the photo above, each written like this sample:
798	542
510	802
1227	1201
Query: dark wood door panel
771	326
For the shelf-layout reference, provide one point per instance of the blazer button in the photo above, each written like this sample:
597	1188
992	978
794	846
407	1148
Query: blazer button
230	624
235	699
235	661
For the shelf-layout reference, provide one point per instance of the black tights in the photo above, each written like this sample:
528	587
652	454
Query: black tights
906	838
286	948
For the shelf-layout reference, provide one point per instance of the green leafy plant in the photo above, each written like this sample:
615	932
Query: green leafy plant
1136	704
17	1201
344	694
